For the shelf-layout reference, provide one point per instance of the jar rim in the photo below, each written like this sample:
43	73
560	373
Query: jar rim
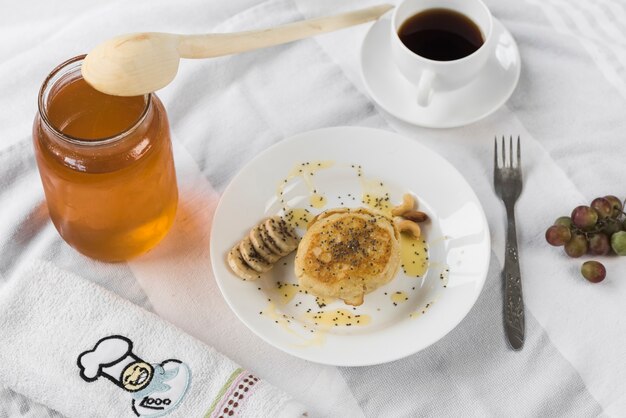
74	140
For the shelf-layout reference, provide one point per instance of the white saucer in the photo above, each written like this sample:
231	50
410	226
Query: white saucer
396	95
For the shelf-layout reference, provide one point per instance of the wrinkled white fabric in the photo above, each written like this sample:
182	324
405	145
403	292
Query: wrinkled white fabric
569	109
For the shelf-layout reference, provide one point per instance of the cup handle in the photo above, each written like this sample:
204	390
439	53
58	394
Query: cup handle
425	88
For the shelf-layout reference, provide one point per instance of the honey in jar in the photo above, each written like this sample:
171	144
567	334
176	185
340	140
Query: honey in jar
106	166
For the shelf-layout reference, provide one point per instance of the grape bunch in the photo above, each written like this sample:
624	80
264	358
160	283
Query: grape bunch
597	229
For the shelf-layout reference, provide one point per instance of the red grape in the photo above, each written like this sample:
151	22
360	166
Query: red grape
558	235
577	246
603	207
598	229
599	244
593	271
584	217
616	204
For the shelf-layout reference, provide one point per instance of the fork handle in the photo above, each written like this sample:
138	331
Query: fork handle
513	303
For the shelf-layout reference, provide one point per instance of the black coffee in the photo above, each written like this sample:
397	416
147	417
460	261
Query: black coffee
441	35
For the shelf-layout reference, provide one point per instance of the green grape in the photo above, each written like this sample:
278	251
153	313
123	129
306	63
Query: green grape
593	271
565	221
584	217
616	204
599	244
558	235
577	246
618	242
603	207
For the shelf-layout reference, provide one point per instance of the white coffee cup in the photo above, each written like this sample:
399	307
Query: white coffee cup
431	76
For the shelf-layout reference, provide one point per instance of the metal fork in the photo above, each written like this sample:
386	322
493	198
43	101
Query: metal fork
507	181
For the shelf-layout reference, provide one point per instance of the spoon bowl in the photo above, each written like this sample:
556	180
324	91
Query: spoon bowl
132	65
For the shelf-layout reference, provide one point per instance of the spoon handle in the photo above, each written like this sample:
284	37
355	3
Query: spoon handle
219	44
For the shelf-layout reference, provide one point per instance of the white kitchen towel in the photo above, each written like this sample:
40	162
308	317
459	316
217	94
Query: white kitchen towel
569	108
82	350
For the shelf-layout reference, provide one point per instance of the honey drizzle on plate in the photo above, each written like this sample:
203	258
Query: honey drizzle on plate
298	217
373	193
286	292
306	171
336	318
317	200
422	311
413	255
283	320
319	322
398	297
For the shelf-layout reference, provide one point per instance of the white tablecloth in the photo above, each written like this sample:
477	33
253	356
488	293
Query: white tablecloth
569	108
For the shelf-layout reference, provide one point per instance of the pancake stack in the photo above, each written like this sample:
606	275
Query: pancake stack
347	253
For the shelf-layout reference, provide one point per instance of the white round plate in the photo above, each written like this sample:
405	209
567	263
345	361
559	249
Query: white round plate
457	235
397	96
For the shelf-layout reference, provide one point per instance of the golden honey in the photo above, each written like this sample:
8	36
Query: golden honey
338	317
414	255
106	166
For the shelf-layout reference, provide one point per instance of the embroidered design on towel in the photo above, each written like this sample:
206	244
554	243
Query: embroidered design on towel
157	388
231	396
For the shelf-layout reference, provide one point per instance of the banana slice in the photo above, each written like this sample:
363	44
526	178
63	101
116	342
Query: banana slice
252	257
270	241
266	243
238	265
283	235
261	246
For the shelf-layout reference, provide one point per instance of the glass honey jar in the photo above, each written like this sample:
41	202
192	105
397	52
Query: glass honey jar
106	166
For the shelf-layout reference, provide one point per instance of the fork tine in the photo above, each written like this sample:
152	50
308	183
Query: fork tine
519	154
503	153
511	151
495	153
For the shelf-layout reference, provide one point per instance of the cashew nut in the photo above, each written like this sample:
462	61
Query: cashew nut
409	226
415	215
407	204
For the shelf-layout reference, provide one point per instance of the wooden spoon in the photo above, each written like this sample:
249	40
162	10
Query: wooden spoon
140	63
